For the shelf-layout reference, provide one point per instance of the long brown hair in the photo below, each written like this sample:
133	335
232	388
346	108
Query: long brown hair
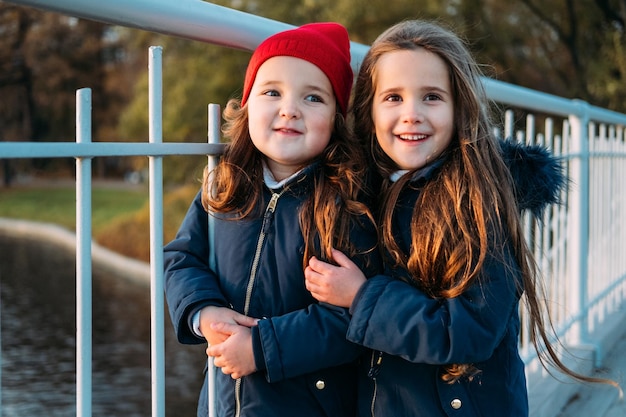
327	214
469	212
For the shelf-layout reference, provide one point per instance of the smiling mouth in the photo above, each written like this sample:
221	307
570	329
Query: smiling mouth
413	138
287	130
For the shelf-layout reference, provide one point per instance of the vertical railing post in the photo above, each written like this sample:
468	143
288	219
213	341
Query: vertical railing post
214	118
578	233
213	137
157	343
509	125
0	353
83	258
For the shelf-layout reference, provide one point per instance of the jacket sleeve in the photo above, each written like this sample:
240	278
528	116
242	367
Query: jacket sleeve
304	341
189	282
313	338
397	318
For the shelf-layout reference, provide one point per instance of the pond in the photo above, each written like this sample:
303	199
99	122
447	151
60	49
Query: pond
38	339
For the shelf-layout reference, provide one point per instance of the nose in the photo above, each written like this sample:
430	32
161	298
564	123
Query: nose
289	109
413	113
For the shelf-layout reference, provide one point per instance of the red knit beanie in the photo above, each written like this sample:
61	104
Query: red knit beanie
325	45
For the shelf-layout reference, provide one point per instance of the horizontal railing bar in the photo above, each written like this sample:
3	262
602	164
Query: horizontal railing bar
608	154
20	150
528	99
190	19
89	150
544	103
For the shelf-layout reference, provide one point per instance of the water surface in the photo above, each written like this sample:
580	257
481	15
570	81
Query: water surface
38	339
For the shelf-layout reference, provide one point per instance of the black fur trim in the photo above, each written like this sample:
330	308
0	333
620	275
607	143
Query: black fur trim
538	175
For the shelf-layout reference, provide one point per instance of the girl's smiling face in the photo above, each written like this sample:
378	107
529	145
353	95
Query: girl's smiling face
413	109
291	112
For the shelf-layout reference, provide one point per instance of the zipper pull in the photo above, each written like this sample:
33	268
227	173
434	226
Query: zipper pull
269	211
375	365
271	206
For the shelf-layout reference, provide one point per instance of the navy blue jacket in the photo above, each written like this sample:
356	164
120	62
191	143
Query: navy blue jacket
306	367
419	334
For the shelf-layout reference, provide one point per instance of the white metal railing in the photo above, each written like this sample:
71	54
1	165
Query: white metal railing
578	245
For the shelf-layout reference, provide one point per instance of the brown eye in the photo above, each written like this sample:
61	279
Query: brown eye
393	97
432	97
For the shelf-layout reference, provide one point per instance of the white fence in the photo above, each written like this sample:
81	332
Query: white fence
579	245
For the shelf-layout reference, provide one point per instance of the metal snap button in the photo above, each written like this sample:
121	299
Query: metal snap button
456	403
320	384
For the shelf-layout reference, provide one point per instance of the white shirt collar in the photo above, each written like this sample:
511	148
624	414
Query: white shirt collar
271	182
395	176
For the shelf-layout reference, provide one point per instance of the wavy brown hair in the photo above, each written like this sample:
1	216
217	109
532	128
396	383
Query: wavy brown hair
469	211
332	207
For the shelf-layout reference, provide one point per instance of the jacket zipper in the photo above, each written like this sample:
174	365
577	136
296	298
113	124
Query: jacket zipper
267	217
375	362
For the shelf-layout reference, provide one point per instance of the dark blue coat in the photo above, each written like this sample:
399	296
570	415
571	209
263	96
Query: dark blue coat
306	365
419	334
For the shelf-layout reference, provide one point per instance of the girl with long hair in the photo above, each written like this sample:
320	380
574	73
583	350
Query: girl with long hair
442	322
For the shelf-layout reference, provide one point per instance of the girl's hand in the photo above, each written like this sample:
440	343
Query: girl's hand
212	314
234	356
331	284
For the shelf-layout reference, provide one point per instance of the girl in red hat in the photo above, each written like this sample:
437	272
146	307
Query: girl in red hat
287	188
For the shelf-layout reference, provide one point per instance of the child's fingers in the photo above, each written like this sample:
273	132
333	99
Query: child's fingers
211	351
341	259
311	282
316	265
309	279
219	349
325	268
246	320
310	274
224	328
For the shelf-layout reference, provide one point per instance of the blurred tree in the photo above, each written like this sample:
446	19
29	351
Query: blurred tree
16	83
17	113
365	23
45	58
573	49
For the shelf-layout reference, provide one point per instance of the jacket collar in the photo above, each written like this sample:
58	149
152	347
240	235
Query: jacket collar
538	175
424	173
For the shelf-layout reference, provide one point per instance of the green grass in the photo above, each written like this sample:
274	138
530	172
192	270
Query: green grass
120	215
57	204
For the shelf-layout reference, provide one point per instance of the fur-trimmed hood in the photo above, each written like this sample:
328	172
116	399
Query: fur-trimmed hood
538	175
